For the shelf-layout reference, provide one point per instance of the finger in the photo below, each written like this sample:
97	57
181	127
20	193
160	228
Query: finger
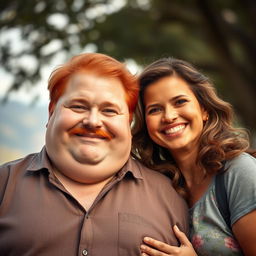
181	236
148	251
158	246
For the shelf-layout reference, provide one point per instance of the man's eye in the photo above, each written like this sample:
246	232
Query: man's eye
110	111
78	107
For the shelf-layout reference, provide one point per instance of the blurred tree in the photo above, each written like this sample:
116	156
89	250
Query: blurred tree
218	36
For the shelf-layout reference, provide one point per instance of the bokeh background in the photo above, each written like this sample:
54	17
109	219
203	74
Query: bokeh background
217	36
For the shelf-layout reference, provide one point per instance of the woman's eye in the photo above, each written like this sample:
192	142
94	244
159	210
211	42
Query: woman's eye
153	110
180	101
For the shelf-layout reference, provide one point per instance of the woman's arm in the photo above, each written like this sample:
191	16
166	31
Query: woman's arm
241	191
154	247
245	232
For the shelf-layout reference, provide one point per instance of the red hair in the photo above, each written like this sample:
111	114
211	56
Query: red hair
99	64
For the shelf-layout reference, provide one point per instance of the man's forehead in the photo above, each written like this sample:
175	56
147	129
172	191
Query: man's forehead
104	95
94	83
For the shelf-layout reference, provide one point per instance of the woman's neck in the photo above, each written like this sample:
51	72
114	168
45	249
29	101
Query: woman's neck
192	172
197	180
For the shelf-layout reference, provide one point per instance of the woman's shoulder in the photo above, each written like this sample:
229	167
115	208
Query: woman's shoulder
241	168
244	160
240	184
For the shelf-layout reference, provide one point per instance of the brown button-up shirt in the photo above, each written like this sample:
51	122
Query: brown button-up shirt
39	217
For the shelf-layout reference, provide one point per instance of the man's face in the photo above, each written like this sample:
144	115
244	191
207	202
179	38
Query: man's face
88	136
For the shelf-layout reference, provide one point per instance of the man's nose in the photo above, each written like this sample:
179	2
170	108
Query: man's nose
93	119
170	114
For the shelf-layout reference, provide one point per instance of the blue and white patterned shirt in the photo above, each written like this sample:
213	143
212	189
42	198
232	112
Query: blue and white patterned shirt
209	233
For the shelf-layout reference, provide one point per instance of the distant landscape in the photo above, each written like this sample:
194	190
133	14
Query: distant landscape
22	129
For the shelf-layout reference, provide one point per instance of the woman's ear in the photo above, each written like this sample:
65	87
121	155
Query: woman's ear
205	115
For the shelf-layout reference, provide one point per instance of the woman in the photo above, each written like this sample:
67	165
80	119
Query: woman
183	128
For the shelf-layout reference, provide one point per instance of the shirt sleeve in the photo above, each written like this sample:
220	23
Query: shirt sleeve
240	182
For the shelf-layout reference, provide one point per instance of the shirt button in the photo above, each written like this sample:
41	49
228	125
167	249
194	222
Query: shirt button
85	252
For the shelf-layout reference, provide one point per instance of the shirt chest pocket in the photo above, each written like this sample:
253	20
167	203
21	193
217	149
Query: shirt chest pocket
131	230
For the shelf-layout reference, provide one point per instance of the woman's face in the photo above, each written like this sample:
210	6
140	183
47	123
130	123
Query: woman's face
173	115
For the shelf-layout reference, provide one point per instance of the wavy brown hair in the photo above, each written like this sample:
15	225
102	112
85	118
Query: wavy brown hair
219	140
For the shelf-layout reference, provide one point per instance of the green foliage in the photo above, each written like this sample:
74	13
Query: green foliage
218	36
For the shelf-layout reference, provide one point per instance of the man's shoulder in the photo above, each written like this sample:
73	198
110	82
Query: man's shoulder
17	163
149	173
161	186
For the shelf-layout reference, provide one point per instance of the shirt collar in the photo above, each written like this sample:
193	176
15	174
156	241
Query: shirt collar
41	161
131	166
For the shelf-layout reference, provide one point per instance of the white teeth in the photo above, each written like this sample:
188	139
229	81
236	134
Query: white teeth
175	129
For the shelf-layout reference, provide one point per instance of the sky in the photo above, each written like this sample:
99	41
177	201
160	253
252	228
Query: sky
22	126
22	129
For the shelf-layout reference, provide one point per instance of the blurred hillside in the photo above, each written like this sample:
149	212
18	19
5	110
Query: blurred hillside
22	130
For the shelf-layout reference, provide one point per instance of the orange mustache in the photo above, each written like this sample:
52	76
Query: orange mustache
84	131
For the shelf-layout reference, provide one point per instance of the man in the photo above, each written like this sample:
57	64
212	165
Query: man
83	194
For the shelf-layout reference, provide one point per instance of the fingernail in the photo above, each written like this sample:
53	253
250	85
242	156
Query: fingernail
176	227
146	239
143	247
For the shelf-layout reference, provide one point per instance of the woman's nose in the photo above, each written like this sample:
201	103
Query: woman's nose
169	115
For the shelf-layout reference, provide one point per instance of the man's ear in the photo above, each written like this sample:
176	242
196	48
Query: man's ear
51	107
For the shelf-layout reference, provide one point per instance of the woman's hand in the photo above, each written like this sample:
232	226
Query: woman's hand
163	249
